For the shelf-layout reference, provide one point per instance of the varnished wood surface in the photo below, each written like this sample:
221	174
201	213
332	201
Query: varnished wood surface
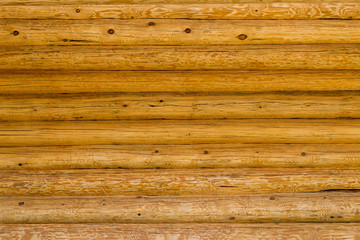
174	181
32	82
338	207
171	132
182	156
221	10
179	106
226	231
177	32
78	2
244	57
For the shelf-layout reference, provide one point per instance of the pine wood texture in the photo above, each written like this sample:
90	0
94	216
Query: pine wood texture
176	32
221	10
179	106
182	156
246	208
96	2
180	120
174	181
171	132
22	82
208	57
300	231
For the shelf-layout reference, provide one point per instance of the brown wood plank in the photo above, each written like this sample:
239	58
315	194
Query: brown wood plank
176	32
276	10
86	2
172	132
182	156
174	181
244	57
177	81
179	106
300	231
337	207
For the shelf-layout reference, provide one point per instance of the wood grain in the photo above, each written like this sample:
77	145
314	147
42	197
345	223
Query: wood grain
176	32
242	57
276	10
329	207
182	156
177	81
174	181
172	132
179	106
299	231
96	2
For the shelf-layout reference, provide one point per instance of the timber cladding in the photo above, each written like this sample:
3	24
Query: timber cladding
180	119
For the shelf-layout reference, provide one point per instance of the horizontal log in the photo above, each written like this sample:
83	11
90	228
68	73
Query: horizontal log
301	207
244	57
177	81
300	231
176	32
175	132
179	106
96	2
174	181
182	156
319	10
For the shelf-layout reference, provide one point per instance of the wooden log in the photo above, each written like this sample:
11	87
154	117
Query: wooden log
243	57
301	207
177	81
176	32
300	231
276	10
179	106
96	2
182	156
175	132
174	181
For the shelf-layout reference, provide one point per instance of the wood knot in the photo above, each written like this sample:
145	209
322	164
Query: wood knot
206	152
151	24
188	30
272	198
242	36
77	10
111	31
15	33
21	203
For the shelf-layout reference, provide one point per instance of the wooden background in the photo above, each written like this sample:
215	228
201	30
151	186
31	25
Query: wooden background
180	119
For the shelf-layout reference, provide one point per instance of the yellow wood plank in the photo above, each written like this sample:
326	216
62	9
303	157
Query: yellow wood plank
300	207
177	81
182	156
300	231
175	132
174	181
276	10
176	32
242	57
86	2
179	106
